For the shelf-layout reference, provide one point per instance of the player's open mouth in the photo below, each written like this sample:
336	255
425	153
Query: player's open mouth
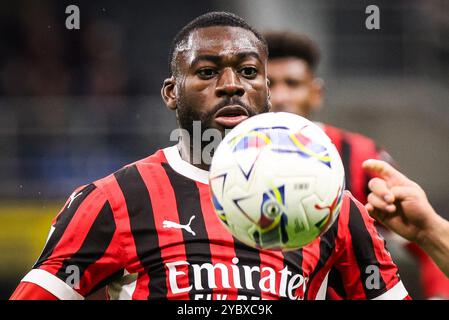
230	116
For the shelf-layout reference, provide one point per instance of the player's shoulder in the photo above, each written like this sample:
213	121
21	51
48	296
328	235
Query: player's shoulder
129	175
351	208
340	225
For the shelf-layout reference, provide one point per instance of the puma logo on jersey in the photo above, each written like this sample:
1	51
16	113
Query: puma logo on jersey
73	196
175	225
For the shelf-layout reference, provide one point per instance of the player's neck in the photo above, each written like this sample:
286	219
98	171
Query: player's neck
187	153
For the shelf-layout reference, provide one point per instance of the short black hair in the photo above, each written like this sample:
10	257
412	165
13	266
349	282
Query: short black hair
210	19
284	44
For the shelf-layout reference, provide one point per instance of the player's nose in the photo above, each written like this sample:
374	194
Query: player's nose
229	84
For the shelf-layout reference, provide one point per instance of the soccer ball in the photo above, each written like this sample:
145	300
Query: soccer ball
276	181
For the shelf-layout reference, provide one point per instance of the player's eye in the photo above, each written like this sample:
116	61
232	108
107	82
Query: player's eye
206	73
249	72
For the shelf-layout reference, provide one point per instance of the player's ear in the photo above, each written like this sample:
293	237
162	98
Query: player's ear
268	88
169	93
269	94
317	94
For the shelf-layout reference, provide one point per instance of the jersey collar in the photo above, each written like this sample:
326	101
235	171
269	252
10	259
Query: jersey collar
183	167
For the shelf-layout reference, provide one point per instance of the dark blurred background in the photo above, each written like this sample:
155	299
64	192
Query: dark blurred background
76	105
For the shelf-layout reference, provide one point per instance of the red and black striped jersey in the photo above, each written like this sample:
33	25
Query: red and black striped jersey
355	148
149	231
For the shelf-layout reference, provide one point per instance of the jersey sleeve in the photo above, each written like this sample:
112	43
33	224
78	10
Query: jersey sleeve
82	252
364	264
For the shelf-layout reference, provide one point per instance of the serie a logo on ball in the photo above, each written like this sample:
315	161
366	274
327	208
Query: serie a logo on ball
277	181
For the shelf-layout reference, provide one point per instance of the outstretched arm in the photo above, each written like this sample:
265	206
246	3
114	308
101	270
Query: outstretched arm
401	205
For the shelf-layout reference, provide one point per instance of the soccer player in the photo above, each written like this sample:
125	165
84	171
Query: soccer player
295	88
149	231
402	205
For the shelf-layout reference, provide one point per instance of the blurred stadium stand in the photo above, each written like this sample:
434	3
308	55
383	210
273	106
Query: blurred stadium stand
77	105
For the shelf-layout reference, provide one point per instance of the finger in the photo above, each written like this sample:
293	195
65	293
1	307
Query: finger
379	215
383	169
403	192
378	203
379	187
369	207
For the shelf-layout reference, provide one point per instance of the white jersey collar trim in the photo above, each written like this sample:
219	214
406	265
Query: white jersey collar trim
183	167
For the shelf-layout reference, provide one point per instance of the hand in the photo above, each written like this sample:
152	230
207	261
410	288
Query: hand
397	202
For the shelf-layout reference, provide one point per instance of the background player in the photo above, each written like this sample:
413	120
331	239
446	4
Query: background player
114	231
295	88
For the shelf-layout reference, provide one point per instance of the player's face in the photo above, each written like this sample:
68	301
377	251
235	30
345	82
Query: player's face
293	87
221	78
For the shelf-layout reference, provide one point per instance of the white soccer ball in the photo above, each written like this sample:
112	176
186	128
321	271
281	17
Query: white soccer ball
277	181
